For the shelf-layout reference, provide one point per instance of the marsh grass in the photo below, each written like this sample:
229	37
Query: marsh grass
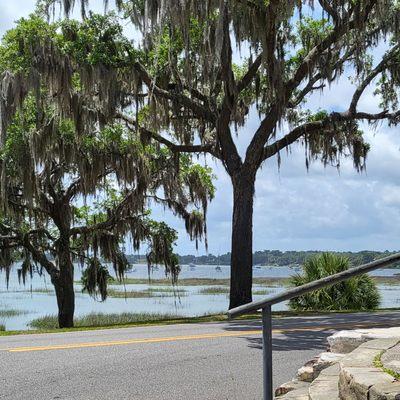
148	293
171	290
100	319
37	290
261	292
214	290
131	294
272	282
11	313
42	290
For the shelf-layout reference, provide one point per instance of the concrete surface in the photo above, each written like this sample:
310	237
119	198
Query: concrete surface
194	361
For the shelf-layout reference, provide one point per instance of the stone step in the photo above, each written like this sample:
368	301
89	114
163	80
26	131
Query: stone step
326	386
287	387
310	370
296	394
347	341
361	379
370	372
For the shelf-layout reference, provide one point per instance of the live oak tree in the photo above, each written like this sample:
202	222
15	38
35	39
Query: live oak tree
75	195
195	96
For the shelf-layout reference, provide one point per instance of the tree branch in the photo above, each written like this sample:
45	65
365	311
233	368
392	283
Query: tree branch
199	110
28	208
75	186
319	76
254	154
314	126
230	156
114	218
175	148
329	10
40	257
250	74
20	239
292	136
373	74
309	61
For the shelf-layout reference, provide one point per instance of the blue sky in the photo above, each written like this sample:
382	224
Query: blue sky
295	209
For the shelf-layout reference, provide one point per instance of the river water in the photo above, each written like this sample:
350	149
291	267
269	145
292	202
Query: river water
32	301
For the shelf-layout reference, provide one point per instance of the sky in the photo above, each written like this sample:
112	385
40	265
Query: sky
322	209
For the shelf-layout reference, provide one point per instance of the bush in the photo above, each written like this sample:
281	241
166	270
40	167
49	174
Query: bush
357	293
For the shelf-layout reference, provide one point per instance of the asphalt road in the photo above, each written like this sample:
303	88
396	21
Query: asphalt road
193	361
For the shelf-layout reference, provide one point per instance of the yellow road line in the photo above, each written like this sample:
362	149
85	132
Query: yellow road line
183	338
132	341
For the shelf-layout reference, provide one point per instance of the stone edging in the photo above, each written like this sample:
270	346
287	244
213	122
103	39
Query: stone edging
359	378
353	376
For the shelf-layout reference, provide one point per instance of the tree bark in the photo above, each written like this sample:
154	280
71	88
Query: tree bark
242	239
64	287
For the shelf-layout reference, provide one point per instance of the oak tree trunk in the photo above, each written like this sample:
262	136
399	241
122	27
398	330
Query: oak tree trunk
242	240
64	287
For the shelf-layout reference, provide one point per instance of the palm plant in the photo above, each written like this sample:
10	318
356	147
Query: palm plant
357	293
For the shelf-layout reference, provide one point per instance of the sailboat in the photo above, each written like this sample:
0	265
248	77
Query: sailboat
218	268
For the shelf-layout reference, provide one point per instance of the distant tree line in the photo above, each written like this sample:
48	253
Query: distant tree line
273	257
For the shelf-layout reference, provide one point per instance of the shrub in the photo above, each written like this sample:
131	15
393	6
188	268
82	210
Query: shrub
357	293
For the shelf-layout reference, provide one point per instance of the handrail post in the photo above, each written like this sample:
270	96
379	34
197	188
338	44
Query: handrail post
267	352
266	304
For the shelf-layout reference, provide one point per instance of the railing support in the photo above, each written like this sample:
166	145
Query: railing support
266	304
267	352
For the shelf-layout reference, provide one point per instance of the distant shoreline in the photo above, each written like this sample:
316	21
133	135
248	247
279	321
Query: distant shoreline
273	258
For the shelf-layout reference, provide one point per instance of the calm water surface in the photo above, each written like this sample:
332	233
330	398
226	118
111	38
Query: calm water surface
33	304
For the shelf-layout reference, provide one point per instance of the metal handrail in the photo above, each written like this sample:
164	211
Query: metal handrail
265	306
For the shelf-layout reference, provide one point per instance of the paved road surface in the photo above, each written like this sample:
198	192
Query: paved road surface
212	361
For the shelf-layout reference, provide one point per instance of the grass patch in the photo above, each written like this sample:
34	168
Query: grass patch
11	313
379	364
96	320
214	290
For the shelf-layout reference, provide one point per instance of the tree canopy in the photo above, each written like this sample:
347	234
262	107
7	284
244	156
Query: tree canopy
185	88
75	185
